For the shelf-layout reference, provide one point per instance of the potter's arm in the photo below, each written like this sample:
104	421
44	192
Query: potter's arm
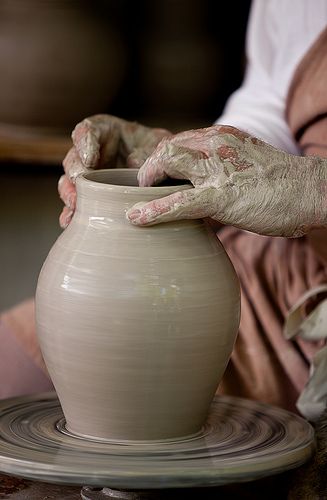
274	48
101	141
238	180
258	106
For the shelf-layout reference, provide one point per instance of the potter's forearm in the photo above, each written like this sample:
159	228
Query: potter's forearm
286	196
317	191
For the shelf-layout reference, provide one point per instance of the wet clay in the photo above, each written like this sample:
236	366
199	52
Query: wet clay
136	325
238	180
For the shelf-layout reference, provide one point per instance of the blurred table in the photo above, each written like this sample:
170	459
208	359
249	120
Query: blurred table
33	148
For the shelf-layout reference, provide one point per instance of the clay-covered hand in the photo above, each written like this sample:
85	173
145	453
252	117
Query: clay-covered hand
238	180
104	141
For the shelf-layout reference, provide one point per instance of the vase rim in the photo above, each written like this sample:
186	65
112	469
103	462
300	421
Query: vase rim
124	180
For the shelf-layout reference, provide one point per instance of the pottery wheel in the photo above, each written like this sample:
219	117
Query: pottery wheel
241	441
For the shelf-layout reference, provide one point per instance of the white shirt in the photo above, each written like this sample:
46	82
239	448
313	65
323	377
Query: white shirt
280	32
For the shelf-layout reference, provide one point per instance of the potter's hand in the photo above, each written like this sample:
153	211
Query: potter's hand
238	180
102	141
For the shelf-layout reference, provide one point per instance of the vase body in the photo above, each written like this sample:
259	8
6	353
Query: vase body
136	324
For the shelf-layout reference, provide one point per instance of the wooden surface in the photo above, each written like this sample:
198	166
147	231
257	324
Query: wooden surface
31	148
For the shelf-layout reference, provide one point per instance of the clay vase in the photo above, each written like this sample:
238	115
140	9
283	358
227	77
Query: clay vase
136	324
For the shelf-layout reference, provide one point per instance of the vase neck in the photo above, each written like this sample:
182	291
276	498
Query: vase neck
111	193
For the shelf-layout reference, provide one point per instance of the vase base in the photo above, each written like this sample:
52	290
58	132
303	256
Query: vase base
242	440
65	429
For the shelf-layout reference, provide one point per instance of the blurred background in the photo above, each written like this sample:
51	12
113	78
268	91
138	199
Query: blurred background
164	63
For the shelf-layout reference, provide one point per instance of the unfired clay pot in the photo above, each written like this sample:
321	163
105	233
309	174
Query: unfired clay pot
136	325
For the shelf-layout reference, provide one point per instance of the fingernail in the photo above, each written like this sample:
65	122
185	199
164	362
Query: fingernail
61	180
68	218
63	222
134	214
141	178
69	202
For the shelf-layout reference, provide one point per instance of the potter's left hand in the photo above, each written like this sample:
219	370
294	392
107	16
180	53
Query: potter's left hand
238	180
102	141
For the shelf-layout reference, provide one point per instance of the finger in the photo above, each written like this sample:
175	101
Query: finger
109	149
147	144
73	165
152	172
96	140
189	204
65	217
137	158
171	159
67	192
134	135
86	142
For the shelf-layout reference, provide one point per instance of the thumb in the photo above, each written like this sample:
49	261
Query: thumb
189	204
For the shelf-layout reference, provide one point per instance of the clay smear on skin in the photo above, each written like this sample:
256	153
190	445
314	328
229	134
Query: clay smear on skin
229	153
158	208
250	182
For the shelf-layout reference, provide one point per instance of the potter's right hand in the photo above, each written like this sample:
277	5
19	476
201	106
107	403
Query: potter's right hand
101	141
